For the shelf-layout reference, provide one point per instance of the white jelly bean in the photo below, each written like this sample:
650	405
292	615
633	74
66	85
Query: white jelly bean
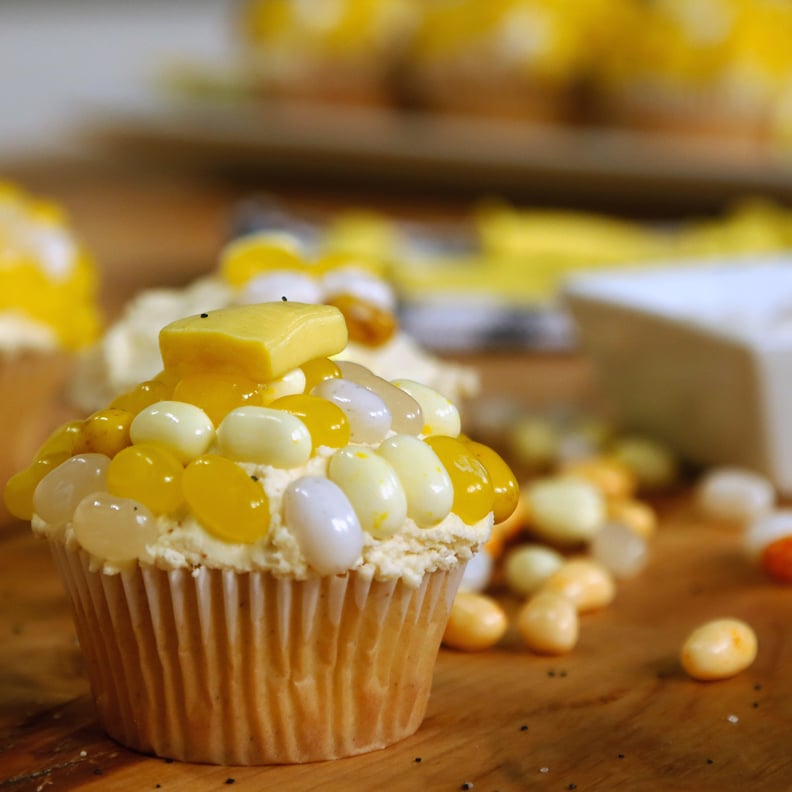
58	493
584	582
427	485
369	417
277	284
476	622
264	436
618	548
548	624
440	416
719	649
527	567
565	510
360	284
478	572
326	526
767	529
735	495
406	413
290	383
114	529
373	488
184	429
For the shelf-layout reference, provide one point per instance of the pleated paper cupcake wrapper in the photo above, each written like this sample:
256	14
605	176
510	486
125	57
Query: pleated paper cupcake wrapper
229	668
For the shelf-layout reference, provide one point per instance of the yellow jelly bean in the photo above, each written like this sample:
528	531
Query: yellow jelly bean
254	254
548	624
19	489
105	432
586	583
63	440
640	517
476	622
719	649
610	476
506	492
147	474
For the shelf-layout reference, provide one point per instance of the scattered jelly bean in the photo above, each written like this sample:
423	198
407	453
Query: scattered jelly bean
586	583
653	464
528	567
476	622
324	523
618	548
548	624
565	510
734	495
719	649
776	559
766	529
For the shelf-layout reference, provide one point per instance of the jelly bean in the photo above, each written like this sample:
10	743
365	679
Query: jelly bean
440	416
610	476
367	323
618	548
478	572
427	485
144	395
325	420
506	493
776	559
584	582
264	436
767	529
369	417
406	413
105	432
215	394
719	649
184	429
225	500
273	286
317	370
19	489
548	624
476	622
734	495
534	443
359	284
636	515
652	464
63	440
291	383
255	254
473	495
59	492
529	566
373	489
324	523
147	474
565	510
114	529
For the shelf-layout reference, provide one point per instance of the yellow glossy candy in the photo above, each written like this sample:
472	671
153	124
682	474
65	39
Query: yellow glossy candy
216	394
143	395
292	382
548	624
326	421
105	432
183	429
254	254
473	494
584	582
476	622
225	500
719	649
440	416
63	440
504	483
319	369
148	474
261	342
565	510
19	489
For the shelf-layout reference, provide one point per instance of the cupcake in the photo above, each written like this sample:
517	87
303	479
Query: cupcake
47	312
262	546
267	266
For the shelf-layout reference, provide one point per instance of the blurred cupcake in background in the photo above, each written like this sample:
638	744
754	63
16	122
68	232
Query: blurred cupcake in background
528	59
335	50
48	312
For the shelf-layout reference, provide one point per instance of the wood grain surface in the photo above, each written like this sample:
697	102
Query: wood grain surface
616	713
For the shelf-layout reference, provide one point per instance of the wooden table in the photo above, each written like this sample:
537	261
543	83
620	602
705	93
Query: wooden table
617	713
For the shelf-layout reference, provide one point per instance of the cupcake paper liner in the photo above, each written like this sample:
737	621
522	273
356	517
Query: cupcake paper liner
246	668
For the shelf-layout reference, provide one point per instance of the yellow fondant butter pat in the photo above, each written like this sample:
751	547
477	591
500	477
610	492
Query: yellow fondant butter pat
261	342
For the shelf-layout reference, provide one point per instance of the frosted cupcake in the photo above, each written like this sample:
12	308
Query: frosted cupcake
47	311
261	267
262	545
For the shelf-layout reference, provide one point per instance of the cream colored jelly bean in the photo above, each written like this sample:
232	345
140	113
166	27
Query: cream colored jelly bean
618	548
565	510
735	495
290	383
182	428
548	623
528	567
326	526
652	463
640	517
427	485
373	489
406	413
478	572
476	622
369	417
58	493
273	286
265	436
535	443
719	649
440	416
766	529
586	583
114	529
